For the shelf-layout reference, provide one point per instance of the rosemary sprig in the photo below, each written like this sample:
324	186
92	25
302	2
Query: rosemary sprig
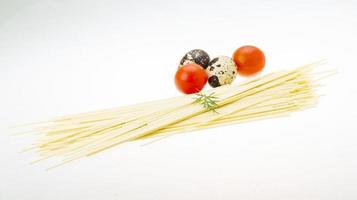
208	102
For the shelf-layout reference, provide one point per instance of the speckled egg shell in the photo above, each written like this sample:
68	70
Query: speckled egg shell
197	56
221	71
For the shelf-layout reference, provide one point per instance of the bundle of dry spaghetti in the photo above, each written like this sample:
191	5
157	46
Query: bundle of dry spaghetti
276	94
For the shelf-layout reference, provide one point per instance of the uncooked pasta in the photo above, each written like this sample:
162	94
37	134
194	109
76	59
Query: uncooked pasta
277	94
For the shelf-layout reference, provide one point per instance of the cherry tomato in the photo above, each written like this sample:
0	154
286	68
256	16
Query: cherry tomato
249	60
190	78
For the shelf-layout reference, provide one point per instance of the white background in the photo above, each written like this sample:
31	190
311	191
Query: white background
62	57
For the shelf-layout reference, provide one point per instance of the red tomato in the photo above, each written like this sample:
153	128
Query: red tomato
190	78
249	60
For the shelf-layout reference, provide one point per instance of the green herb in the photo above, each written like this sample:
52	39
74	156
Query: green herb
208	102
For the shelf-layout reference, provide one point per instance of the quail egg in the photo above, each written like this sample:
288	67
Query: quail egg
221	71
197	56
